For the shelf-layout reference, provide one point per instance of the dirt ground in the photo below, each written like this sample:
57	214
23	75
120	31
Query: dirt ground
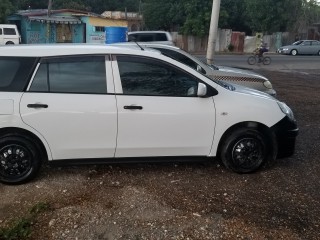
185	200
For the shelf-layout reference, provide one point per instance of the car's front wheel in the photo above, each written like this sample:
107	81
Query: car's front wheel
245	150
19	159
294	52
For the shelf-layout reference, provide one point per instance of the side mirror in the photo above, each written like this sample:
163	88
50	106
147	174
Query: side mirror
202	90
199	68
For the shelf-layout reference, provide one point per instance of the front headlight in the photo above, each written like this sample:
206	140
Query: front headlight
267	84
285	49
286	110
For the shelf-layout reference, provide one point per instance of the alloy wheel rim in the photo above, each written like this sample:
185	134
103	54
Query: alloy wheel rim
247	153
15	161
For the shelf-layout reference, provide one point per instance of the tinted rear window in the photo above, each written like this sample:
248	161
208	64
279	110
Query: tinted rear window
145	37
15	73
161	37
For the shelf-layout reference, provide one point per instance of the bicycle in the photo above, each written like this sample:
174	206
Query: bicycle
256	57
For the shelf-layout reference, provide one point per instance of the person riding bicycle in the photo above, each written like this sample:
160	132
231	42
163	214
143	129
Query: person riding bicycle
261	50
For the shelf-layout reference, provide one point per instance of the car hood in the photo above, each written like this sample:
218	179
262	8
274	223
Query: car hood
244	90
240	71
288	46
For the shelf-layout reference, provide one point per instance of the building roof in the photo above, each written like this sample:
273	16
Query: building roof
42	12
55	19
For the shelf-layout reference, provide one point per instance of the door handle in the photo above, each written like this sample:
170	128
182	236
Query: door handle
132	107
37	105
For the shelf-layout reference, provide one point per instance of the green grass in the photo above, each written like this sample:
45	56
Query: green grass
21	229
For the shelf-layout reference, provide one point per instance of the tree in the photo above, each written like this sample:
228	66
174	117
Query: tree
6	8
162	14
272	15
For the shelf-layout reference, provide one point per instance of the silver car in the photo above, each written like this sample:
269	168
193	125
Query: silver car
227	74
301	47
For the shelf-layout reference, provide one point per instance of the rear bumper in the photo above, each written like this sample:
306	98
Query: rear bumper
286	132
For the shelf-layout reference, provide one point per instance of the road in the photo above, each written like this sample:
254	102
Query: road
279	62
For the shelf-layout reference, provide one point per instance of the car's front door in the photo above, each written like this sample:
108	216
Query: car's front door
68	104
305	47
159	113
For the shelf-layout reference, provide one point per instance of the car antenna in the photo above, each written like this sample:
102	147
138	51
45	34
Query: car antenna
134	39
142	49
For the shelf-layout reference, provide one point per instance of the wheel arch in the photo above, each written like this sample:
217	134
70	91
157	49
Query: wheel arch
265	130
13	131
9	43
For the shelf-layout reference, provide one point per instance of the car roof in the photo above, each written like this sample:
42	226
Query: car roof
146	44
46	50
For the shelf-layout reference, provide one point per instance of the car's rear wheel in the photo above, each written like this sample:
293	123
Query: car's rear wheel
9	43
19	159
294	52
245	150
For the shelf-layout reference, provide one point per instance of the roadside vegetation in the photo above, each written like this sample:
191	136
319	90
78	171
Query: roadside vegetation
21	228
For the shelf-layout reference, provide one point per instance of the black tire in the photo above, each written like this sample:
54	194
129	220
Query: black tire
252	60
294	52
245	150
266	60
9	43
19	159
319	53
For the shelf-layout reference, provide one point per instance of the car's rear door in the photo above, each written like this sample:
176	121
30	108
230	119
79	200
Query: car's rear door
69	105
315	45
159	113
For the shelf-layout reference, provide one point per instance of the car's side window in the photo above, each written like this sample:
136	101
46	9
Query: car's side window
0	31
151	77
80	74
15	73
9	31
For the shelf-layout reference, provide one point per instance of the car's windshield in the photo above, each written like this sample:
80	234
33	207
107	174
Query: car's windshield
297	43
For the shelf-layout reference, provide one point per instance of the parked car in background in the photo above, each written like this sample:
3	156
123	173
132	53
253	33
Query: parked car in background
311	47
159	37
95	103
9	34
226	74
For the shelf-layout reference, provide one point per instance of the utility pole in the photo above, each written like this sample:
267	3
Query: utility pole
48	23
213	31
49	7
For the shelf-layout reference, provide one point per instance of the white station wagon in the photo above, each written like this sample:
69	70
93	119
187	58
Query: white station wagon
94	103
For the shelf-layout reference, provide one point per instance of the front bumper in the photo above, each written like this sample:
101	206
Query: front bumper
286	132
281	51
